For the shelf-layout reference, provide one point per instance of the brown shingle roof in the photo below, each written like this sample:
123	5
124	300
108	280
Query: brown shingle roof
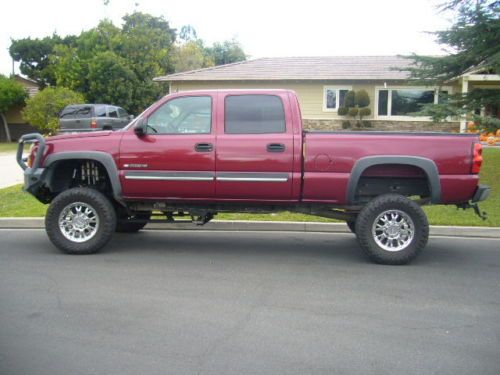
301	68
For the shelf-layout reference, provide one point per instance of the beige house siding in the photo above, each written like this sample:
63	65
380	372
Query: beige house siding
310	96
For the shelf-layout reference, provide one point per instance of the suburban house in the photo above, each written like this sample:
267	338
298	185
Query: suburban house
12	124
322	82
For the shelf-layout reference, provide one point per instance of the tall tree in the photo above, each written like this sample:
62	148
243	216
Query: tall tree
473	42
227	52
11	93
191	55
117	65
34	56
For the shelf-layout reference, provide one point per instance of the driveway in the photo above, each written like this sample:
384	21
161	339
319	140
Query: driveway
183	302
10	172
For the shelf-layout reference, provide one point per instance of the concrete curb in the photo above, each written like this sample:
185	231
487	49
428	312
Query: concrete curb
265	226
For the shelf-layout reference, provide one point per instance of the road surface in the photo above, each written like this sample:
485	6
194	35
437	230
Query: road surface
185	302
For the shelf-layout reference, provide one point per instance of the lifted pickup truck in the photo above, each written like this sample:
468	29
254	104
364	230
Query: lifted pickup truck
194	154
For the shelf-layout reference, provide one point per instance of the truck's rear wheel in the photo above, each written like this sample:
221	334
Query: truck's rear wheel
392	229
80	221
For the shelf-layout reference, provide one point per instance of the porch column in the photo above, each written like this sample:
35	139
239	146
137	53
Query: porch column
465	89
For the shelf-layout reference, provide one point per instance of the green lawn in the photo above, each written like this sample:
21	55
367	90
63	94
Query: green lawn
14	202
8	147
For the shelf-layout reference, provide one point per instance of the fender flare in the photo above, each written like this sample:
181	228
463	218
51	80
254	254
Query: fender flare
105	159
427	165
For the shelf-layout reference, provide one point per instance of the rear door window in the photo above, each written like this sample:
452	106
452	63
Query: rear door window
254	114
83	112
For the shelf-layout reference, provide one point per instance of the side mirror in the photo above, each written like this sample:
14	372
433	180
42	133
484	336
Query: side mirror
131	117
141	128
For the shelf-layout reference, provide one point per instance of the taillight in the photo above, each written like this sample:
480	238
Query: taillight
477	159
93	124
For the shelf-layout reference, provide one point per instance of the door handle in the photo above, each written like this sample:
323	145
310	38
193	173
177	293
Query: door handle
203	147
275	147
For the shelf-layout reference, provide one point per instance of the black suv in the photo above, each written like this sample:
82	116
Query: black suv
92	117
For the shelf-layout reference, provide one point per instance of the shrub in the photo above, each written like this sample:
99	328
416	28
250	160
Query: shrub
346	124
342	111
349	99
353	112
364	112
361	98
42	110
367	124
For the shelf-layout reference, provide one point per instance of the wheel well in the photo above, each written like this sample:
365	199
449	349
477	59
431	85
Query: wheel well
70	173
404	179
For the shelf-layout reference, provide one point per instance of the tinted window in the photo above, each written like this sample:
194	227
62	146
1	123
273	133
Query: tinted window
83	112
100	111
187	115
122	112
254	114
112	112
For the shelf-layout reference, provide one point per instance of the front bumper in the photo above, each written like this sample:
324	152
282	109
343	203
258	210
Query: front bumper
482	193
33	174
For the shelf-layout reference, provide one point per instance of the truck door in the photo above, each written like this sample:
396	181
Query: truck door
176	157
254	158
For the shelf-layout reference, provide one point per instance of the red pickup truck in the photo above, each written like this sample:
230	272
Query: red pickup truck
194	154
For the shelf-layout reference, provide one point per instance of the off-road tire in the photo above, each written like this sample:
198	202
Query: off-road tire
104	210
125	225
376	207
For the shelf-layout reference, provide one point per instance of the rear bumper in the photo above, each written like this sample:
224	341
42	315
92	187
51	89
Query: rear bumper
482	193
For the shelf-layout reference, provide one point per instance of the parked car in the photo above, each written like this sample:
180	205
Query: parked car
194	154
92	117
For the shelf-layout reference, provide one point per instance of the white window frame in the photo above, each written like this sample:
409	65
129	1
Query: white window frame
389	101
337	89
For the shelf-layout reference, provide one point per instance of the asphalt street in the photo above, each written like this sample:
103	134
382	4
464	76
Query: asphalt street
182	302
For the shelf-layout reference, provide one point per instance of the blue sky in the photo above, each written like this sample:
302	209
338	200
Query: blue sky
265	28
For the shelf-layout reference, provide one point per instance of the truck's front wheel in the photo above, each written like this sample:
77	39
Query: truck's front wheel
80	221
392	229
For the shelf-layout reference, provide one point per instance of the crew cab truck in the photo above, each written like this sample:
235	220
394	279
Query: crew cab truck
194	154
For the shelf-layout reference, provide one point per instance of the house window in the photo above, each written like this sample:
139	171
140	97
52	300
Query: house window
405	101
333	97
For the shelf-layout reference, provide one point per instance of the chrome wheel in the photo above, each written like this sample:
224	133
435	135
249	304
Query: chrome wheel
393	230
78	222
